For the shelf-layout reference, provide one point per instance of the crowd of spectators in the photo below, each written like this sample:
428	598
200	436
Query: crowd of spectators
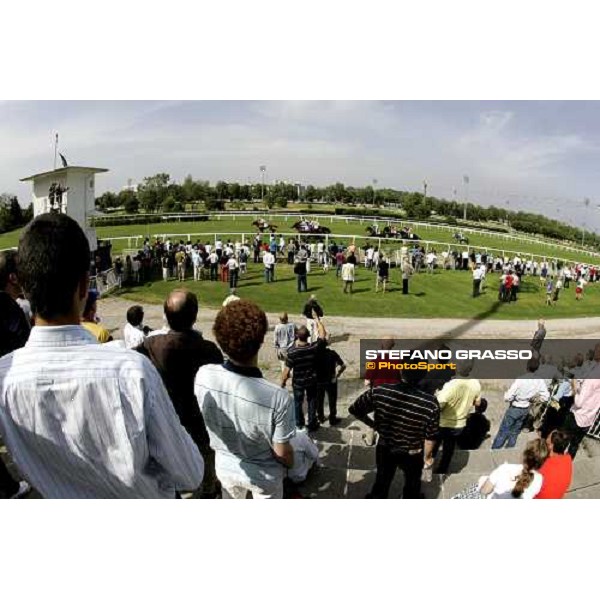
165	412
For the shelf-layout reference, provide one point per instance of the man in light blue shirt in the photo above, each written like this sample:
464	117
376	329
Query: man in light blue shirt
250	421
520	395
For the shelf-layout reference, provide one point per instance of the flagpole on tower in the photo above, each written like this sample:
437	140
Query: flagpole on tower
55	150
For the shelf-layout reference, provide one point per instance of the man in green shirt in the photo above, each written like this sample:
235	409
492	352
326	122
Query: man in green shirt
456	399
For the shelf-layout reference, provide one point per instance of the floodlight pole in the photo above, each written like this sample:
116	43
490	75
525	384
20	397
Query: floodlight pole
466	183
263	168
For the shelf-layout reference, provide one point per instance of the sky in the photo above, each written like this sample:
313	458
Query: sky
537	156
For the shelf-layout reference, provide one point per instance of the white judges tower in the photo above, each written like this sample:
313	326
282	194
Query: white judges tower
70	190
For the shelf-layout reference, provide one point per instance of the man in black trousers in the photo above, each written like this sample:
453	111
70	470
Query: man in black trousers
407	421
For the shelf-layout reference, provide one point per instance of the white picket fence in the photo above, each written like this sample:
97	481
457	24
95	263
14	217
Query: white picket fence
594	430
364	220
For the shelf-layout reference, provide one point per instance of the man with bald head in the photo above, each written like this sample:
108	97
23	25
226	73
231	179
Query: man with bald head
177	355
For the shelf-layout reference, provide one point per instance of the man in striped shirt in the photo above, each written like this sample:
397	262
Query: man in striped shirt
301	364
407	421
83	420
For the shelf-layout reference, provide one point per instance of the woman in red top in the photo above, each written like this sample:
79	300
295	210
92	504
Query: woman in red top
557	470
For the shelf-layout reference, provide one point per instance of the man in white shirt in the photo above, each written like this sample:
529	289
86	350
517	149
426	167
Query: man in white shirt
82	420
520	395
233	268
477	275
376	259
196	263
369	257
431	260
269	263
348	277
213	261
133	332
465	260
320	252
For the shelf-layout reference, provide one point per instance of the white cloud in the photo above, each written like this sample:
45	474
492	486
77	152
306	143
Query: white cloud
508	152
497	149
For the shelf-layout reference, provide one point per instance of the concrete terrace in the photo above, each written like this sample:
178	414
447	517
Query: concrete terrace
348	466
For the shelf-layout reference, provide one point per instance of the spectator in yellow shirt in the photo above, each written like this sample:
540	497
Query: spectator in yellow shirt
456	399
89	319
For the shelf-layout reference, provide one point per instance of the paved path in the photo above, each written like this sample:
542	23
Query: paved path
113	310
348	331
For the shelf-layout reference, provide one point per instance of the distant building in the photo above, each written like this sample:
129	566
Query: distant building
70	190
130	187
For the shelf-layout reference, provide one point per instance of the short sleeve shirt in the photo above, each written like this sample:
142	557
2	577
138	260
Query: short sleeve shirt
557	472
245	416
504	478
302	360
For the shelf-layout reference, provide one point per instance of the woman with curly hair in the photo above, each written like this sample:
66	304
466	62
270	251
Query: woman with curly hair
250	421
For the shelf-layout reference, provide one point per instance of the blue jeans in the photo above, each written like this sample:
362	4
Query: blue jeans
302	287
510	427
311	399
270	275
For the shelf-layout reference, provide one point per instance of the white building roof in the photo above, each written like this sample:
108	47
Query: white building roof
64	170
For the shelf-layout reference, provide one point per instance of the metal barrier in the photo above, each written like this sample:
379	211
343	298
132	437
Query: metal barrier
104	282
594	430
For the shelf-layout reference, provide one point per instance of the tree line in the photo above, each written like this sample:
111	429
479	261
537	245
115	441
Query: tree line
12	216
159	193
